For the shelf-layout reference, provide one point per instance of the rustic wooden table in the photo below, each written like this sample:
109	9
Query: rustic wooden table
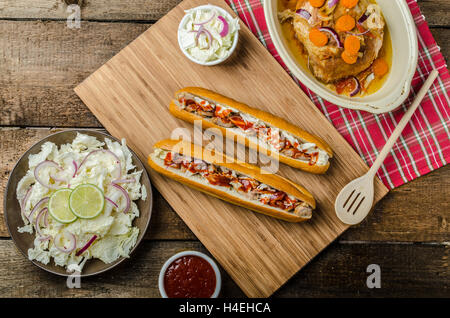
41	61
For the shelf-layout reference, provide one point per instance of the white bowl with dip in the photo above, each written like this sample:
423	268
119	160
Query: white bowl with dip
397	85
204	257
186	37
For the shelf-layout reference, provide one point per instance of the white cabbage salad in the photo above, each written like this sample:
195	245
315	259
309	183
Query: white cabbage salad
78	201
208	35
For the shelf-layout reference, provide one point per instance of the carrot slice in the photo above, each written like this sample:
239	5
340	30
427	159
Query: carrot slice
380	67
317	37
345	23
316	3
352	44
349	3
349	58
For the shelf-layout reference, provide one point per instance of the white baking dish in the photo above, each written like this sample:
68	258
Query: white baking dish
404	60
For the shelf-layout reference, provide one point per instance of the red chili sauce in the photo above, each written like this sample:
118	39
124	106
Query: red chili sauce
189	277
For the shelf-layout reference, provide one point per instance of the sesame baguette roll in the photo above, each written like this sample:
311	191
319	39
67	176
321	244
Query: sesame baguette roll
318	161
181	149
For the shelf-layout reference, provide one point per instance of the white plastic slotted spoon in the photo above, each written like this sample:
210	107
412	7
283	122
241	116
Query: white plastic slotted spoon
355	200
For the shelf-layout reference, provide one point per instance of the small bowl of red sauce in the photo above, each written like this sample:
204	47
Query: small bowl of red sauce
190	274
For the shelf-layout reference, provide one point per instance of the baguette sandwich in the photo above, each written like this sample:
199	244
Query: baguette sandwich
274	135
242	184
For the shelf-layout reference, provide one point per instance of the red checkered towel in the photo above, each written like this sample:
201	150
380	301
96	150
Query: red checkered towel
425	143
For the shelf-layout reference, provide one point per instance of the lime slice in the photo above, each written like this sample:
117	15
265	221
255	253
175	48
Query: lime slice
58	206
86	201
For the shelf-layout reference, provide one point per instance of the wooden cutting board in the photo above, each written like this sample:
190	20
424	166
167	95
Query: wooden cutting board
130	95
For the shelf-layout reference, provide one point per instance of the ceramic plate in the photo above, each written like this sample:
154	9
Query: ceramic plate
404	60
13	219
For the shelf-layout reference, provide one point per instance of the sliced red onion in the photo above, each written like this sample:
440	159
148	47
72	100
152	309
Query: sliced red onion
75	166
45	238
37	223
58	179
209	36
225	27
198	35
111	201
85	247
369	80
332	3
357	87
104	151
362	19
129	180
72	240
207	33
23	203
43	164
43	217
36	207
303	13
334	34
125	194
358	34
46	219
206	21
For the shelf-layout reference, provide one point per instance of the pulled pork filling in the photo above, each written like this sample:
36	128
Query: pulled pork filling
276	139
232	180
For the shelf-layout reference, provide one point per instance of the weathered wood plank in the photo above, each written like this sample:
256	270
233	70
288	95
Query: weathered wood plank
407	270
339	271
436	11
414	212
41	63
142	10
442	38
